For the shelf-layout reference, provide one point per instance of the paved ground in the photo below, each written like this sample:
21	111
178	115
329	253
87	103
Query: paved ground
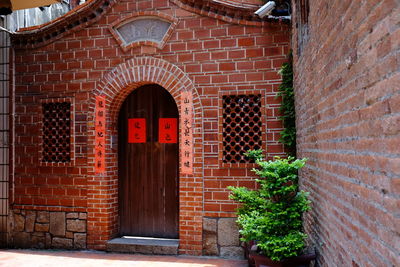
44	258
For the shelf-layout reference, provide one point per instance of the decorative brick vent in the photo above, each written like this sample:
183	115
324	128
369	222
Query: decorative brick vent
241	126
56	132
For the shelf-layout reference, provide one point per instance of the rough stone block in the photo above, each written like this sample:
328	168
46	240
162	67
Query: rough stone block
228	232
41	227
143	246
38	242
76	226
144	249
48	240
30	221
210	225
83	216
57	223
19	223
64	243
21	240
72	215
232	252
42	217
122	248
210	247
168	250
79	241
39	234
69	234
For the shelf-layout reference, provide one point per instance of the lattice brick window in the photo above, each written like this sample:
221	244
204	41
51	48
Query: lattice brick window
242	129
56	132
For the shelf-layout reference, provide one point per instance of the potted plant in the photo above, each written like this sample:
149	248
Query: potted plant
271	215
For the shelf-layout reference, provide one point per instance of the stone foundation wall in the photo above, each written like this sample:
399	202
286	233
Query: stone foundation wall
47	229
221	238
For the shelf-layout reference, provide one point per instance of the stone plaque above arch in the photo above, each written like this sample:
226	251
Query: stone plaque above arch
148	28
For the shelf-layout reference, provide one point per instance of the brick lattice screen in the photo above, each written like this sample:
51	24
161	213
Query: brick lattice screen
56	132
241	126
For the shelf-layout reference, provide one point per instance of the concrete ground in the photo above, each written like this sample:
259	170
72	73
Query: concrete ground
58	258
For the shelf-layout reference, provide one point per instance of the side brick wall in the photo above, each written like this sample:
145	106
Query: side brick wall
347	84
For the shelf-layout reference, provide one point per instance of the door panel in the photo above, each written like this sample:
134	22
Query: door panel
148	172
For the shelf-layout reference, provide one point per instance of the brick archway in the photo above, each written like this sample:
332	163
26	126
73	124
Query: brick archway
103	188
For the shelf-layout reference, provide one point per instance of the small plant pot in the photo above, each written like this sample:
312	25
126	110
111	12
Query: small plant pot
247	252
299	261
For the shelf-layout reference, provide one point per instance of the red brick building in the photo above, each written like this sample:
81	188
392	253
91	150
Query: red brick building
113	91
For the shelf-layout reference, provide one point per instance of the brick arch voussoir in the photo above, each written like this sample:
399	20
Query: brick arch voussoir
129	75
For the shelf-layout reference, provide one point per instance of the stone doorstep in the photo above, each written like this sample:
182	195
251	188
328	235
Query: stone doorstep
144	245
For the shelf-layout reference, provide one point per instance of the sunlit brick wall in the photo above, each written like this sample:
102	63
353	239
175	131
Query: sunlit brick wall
220	59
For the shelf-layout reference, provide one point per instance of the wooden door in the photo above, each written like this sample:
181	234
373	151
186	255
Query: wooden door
148	169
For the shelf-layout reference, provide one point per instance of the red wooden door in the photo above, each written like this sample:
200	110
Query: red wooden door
148	169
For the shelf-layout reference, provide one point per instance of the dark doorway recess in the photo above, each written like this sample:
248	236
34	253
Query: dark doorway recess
148	169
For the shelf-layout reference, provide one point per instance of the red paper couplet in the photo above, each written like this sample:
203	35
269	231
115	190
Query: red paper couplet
137	130
186	132
100	138
168	130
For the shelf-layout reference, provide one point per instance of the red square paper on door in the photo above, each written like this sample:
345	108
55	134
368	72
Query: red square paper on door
168	130
137	130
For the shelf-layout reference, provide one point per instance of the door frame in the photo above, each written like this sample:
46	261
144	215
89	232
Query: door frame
102	196
128	109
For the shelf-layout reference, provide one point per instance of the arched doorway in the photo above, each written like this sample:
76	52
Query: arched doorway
148	163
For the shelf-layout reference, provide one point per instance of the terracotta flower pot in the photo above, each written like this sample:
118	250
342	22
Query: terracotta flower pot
247	252
299	261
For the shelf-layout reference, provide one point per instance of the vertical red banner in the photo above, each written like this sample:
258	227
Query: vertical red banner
137	130
168	130
187	132
100	132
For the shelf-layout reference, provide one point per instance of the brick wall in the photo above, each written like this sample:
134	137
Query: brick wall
347	95
211	56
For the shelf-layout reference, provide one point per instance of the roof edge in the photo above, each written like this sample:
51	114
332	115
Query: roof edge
226	10
91	11
78	18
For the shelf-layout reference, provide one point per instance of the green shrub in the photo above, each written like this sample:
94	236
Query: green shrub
272	214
